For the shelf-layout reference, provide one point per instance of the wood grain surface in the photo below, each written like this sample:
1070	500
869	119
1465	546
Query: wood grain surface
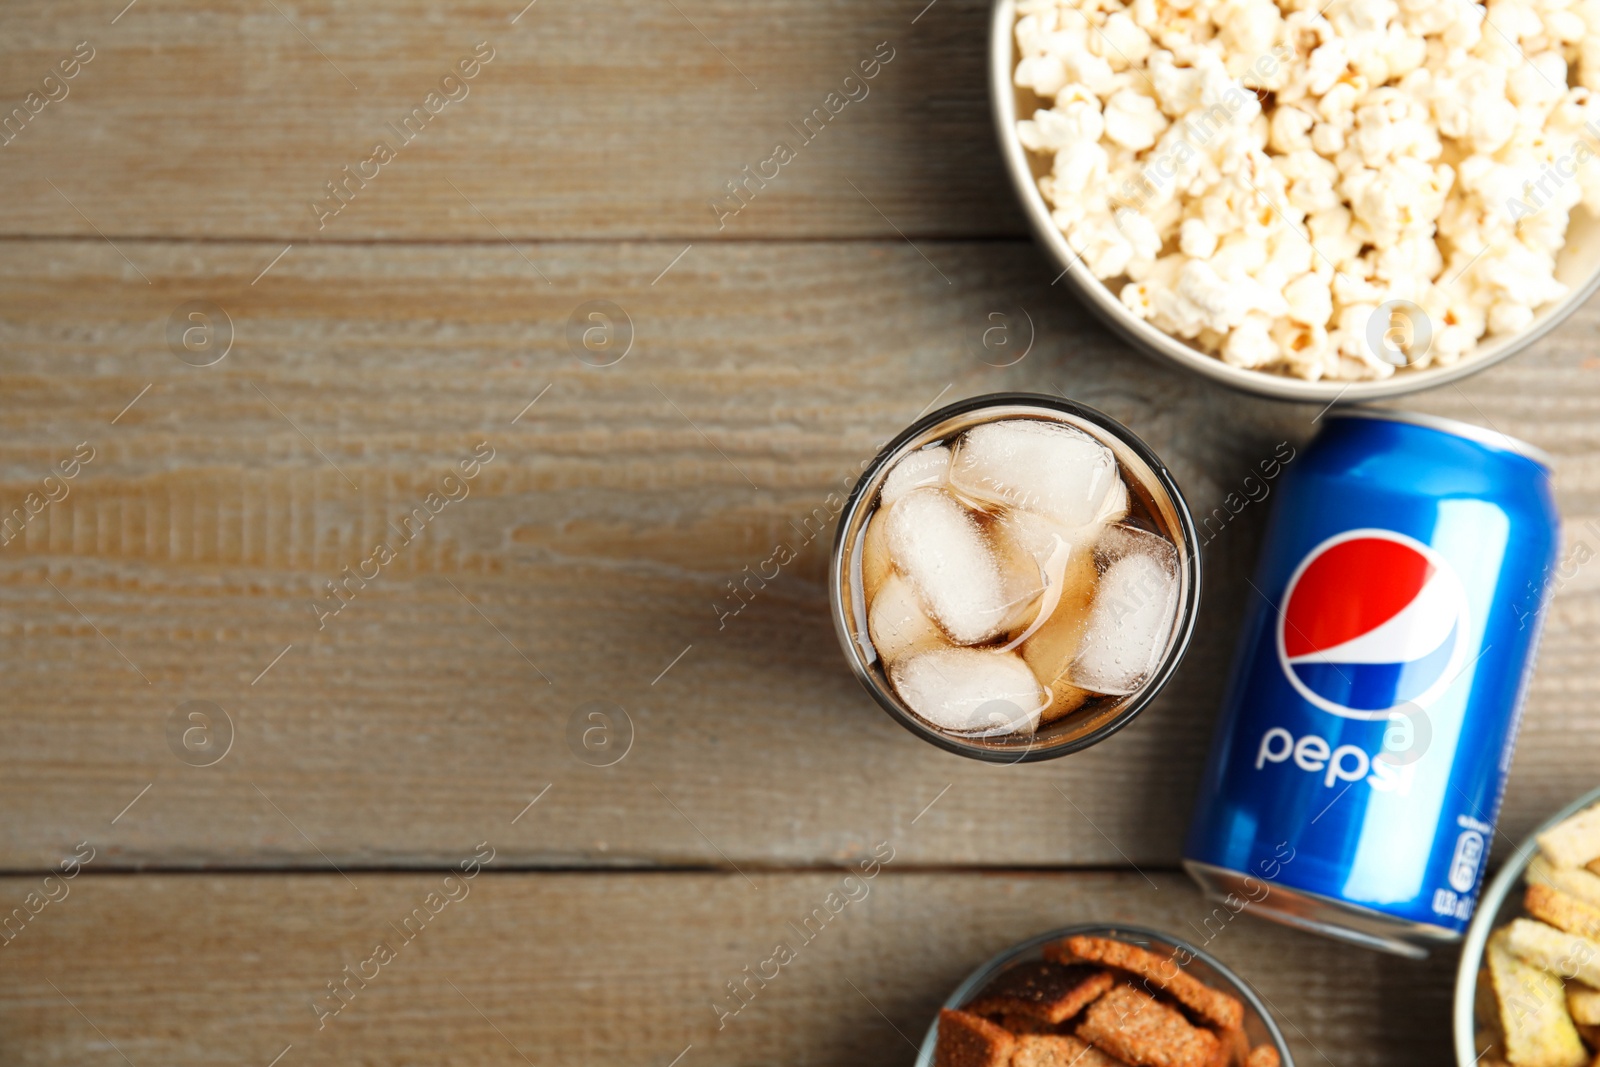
590	553
576	969
765	340
596	119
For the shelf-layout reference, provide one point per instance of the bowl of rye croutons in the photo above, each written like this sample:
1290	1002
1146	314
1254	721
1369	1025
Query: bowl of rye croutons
1528	986
1098	996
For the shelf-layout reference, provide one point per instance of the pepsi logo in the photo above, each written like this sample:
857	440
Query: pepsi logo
1371	621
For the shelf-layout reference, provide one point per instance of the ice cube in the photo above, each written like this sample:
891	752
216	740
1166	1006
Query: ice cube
1135	606
1030	539
898	625
1117	541
971	691
1051	648
1048	468
875	566
938	545
918	470
1033	553
1115	506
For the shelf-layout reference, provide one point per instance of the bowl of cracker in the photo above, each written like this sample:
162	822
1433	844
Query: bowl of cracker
1100	996
1528	984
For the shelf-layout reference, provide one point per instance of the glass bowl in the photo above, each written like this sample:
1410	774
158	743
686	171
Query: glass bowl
1259	1026
1499	904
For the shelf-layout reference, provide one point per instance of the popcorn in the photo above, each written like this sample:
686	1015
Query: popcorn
1102	245
1326	66
1251	344
1076	119
1044	74
1196	239
1127	44
1078	167
1332	239
1539	83
1291	130
1248	29
1140	233
1133	120
1309	299
1327	139
1508	317
1313	180
1261	178
1566	27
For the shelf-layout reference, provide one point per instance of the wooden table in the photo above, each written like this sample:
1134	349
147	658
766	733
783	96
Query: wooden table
345	763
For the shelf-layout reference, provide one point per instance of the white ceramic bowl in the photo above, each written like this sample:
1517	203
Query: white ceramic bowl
1578	267
1501	902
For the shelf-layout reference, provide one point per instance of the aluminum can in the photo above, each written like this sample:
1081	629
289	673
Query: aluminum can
1358	766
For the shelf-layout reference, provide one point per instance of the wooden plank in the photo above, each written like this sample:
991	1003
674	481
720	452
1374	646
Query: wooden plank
594	550
606	119
621	968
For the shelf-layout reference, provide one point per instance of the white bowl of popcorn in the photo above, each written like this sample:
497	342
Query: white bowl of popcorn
1312	201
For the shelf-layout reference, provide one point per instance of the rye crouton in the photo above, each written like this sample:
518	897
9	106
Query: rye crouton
1046	990
1533	1010
1059	1050
1024	1024
1263	1056
1214	1006
967	1040
1138	1029
1235	1047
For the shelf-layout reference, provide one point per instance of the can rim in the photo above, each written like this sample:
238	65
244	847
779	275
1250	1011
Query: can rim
1504	442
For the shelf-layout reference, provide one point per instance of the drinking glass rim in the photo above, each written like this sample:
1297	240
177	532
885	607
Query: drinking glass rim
1189	553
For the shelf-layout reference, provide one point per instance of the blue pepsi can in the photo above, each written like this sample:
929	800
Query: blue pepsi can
1357	770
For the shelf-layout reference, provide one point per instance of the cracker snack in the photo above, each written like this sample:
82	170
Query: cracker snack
1060	1050
1099	1002
1562	911
1215	1007
1537	1030
1042	990
1573	842
1543	971
1141	1030
967	1040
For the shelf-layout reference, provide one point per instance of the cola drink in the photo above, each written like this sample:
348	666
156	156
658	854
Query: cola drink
1015	577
